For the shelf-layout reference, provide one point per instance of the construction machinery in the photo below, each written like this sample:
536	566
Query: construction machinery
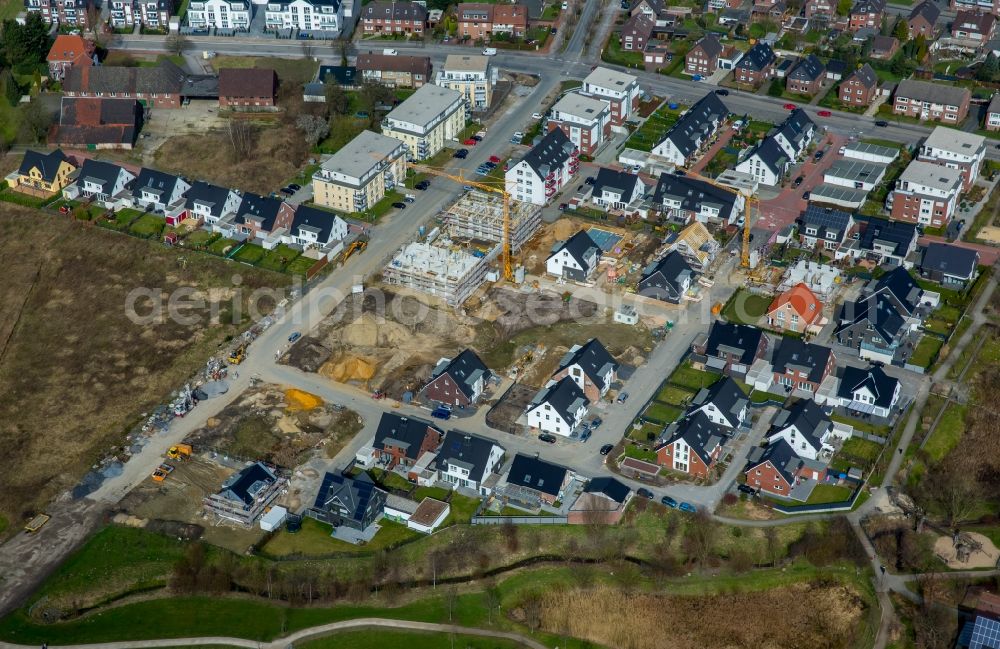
357	245
161	472
749	200
36	523
237	355
179	452
507	264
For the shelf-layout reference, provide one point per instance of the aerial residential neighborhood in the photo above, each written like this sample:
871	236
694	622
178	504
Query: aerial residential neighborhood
528	324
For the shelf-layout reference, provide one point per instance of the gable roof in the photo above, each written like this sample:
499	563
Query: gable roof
593	358
781	456
394	11
263	210
879	384
932	92
827	219
157	182
698	432
726	395
733	337
884	44
616	181
793	352
247	82
474	11
672	268
610	487
949	259
803	301
247	483
898	234
211	195
757	58
902	285
565	397
407	433
464	369
510	14
343	75
770	154
868	7
98	120
353	494
104	173
710	45
978	21
878	310
537	474
463	449
927	10
865	75
697	124
797	127
579	246
639	26
316	220
692	193
809	69
47	163
382	62
551	153
807	417
165	78
73	48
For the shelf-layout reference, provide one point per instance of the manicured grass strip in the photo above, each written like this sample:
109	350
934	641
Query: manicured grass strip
926	351
861	448
662	412
828	493
881	431
688	377
674	395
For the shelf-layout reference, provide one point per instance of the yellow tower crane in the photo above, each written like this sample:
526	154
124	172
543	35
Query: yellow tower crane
508	270
748	201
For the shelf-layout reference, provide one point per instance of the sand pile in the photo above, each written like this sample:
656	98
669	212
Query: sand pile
350	368
300	400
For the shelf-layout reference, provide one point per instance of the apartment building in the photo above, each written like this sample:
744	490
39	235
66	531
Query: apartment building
472	75
620	90
992	6
481	21
220	14
586	121
926	193
61	12
930	101
867	13
305	15
544	170
393	18
426	120
397	71
152	14
359	175
960	150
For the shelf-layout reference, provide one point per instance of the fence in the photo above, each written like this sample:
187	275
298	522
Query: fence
520	520
844	505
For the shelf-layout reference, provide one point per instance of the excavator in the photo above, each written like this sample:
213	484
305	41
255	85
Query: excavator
356	246
237	355
179	452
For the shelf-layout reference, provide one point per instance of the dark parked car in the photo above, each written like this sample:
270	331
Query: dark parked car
723	92
622	397
441	413
688	507
644	493
294	187
547	438
669	502
584	434
747	489
461	154
594	425
881	122
607	448
477	138
819	155
797	181
295	336
590	180
288	191
422	185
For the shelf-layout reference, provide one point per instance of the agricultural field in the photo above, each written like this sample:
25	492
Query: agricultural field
101	370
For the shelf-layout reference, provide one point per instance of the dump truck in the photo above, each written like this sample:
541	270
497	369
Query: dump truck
237	355
162	472
179	452
36	523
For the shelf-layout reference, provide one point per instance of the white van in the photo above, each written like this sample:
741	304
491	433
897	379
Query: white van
389	52
490	51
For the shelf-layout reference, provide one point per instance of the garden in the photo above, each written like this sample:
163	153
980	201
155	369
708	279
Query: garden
745	307
654	128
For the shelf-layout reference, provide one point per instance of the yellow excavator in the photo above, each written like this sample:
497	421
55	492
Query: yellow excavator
237	355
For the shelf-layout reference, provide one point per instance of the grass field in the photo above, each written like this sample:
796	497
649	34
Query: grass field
675	395
861	448
314	540
688	377
654	128
926	351
947	434
745	307
148	226
868	427
828	493
10	8
60	331
662	412
382	639
299	70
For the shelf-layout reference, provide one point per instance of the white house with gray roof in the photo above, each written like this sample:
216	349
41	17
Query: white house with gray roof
955	149
692	130
586	121
558	408
619	89
544	171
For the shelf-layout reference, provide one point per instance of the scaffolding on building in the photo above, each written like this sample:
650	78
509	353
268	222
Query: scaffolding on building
440	270
479	215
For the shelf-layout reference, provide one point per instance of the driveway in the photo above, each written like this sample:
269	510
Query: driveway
778	212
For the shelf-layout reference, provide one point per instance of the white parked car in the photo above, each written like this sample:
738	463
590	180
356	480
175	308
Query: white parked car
536	116
389	52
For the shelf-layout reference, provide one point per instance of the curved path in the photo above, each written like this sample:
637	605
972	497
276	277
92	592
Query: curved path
305	634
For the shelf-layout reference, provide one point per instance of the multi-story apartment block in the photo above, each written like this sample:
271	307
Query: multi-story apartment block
220	14
956	149
401	71
472	75
586	121
926	193
357	177
931	101
393	18
61	12
152	14
544	170
426	120
620	90
305	15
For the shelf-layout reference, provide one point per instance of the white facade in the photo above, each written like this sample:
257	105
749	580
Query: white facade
932	185
803	446
153	199
619	89
557	262
716	416
864	396
545	418
869	152
612	198
457	473
955	149
304	15
755	166
204	210
309	238
219	14
526	185
94	188
583	120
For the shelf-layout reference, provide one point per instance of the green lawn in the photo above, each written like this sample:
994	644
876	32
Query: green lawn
864	449
120	220
314	540
828	493
380	208
250	253
199	238
219	246
8	195
148	226
662	412
300	265
760	396
926	351
640	453
614	54
10	8
383	639
437	493
947	434
875	429
654	128
674	395
279	258
943	320
746	307
642	433
688	377
462	509
390	480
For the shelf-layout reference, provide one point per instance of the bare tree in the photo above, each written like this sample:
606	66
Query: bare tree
313	128
450	599
699	537
491	600
341	47
955	491
307	49
242	140
176	44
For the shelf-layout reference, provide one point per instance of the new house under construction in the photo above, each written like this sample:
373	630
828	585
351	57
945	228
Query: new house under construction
479	216
443	270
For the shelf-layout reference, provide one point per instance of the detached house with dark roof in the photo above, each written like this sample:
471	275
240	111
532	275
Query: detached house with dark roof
616	190
42	174
395	71
355	503
805	427
636	33
795	134
806	78
923	19
667	279
825	227
703	57
766	162
883	241
104	182
878	321
731	347
574	259
458	381
868	390
156	191
402	441
545	170
859	87
259	218
951	266
977	26
724	403
867	13
799	365
692	445
756	66
558	408
692	131
531	480
468	461
591	367
245	495
685	198
777	470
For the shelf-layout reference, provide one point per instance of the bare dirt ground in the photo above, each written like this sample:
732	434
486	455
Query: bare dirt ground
986	557
165	125
75	372
512	406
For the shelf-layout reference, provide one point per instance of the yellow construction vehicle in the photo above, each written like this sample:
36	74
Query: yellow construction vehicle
508	269
237	355
356	246
179	452
162	472
36	523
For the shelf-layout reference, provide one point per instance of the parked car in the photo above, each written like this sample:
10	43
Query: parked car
824	113
688	507
819	154
295	336
294	186
585	434
461	153
399	205
747	489
806	195
881	122
594	425
477	138
441	412
410	199
536	116
563	206
798	181
607	448
422	185
494	159
288	191
644	493
548	438
470	142
590	180
790	106
669	502
553	31
467	188
722	92
622	397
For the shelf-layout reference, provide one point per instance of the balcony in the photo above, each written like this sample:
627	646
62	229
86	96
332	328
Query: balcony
549	192
360	202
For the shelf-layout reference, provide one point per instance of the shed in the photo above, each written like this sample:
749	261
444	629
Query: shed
429	515
273	519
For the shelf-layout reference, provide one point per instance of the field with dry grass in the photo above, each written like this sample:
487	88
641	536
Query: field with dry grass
75	372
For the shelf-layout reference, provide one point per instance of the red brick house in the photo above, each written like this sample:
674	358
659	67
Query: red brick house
247	88
884	47
860	87
692	445
703	57
636	32
475	20
159	86
799	365
63	12
820	9
867	13
510	19
402	441
931	101
458	381
923	19
393	18
776	469
977	26
806	78
69	50
258	216
756	66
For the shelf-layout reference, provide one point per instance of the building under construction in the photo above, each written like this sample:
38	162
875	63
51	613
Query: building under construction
442	270
479	216
246	494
